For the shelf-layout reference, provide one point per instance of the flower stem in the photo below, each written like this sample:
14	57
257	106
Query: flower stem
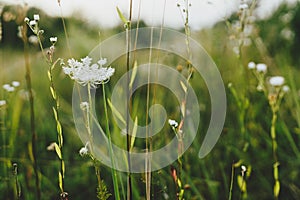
113	169
32	150
275	157
128	136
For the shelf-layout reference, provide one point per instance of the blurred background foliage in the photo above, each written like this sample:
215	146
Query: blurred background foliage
275	41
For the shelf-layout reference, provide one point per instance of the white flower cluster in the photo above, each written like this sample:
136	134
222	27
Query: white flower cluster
11	87
85	72
33	24
260	67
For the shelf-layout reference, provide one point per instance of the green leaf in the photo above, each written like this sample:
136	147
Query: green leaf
134	131
241	183
58	151
133	75
183	86
63	168
55	113
49	75
116	112
275	166
53	92
60	180
276	188
121	16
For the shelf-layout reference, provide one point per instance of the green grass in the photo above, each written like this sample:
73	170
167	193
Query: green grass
207	178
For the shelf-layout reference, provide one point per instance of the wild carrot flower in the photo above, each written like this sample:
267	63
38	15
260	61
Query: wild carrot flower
276	81
85	72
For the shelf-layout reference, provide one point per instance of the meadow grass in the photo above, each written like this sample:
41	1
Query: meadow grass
256	157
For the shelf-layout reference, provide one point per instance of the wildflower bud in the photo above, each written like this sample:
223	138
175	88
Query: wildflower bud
261	68
41	32
276	81
53	40
2	103
251	65
26	20
36	17
285	88
84	150
173	123
32	23
243	169
8	88
15	83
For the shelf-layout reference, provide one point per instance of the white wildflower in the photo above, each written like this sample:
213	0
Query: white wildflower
261	67
276	81
84	73
2	103
53	39
32	23
8	88
26	19
15	83
84	150
36	17
173	123
285	88
251	65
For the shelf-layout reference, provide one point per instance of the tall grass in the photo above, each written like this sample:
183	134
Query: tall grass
257	156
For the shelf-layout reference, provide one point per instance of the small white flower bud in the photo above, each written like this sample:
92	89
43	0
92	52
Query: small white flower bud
32	23
36	17
53	39
251	65
173	123
26	20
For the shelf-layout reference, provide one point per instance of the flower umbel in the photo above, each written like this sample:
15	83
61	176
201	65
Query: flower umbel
85	72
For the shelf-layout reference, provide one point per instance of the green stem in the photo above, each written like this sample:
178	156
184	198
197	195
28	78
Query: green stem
58	126
231	182
275	157
113	169
33	144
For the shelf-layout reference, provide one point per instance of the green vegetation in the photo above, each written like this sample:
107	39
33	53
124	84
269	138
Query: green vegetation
256	157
